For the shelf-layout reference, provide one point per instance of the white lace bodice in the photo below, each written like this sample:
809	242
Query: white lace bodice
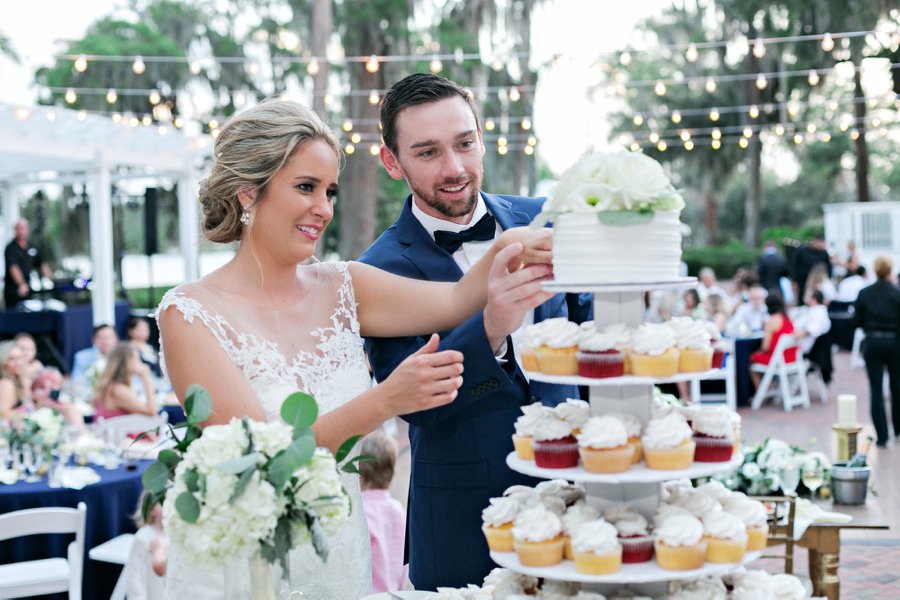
313	347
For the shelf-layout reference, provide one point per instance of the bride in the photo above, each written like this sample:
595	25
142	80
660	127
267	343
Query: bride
267	324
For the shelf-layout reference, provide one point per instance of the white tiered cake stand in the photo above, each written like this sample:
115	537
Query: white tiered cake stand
639	487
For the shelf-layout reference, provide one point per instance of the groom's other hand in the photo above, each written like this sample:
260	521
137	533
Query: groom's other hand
425	379
512	292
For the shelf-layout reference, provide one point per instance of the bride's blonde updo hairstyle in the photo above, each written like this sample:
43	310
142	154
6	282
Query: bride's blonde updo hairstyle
249	150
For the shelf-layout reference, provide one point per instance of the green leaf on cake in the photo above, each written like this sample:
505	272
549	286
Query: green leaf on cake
624	218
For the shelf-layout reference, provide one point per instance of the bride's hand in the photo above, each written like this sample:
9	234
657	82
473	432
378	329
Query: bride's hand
424	380
537	244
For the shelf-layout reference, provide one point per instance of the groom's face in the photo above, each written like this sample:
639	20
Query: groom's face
439	153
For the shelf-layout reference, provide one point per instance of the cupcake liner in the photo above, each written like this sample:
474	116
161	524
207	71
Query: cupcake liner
693	360
599	365
607	460
718	358
522	444
557	361
556	454
636	549
712	449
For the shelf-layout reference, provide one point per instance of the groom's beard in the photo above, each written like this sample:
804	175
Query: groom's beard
454	209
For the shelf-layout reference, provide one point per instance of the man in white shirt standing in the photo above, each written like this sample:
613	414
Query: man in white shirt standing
848	288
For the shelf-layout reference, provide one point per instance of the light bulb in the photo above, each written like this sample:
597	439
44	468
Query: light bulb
71	96
349	149
761	81
356	138
635	146
714	115
827	42
685	135
81	115
372	64
854	135
779	129
502	150
532	141
194	67
374	149
348	125
138	65
489	125
759	48
754	112
373	97
689	145
813	77
747	132
313	68
526	123
638	120
716	144
654	137
660	88
81	63
716	133
514	95
676	117
625	58
502	141
798	138
529	150
154	98
692	55
661	146
436	66
811	127
743	143
711	85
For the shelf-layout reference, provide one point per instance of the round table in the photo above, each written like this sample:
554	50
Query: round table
110	504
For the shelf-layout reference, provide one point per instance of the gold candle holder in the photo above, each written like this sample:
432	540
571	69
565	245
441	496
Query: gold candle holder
846	441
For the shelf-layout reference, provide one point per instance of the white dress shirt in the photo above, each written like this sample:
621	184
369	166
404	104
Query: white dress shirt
815	321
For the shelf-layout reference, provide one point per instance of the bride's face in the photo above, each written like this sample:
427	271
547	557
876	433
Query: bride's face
298	204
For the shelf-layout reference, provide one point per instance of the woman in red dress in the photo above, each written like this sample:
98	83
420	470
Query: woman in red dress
777	325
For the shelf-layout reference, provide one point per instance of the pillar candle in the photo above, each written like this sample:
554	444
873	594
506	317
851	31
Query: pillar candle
846	410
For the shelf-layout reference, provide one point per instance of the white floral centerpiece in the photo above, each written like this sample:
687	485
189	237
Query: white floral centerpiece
767	465
613	182
45	425
249	490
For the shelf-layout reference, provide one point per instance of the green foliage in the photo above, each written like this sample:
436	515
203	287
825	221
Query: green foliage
725	260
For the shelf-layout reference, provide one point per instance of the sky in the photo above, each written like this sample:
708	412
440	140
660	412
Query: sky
566	123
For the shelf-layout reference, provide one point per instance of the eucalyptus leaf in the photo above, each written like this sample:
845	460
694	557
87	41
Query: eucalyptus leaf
300	411
146	505
239	465
283	465
155	478
624	218
241	484
168	457
319	539
188	507
346	447
197	404
191	480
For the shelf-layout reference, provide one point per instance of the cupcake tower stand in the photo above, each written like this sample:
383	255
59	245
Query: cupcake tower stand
639	487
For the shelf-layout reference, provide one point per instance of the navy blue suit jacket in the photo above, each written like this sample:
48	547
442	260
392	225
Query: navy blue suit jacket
459	450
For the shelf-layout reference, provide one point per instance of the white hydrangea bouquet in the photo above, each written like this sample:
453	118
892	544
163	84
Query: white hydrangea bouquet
246	488
766	464
619	187
41	428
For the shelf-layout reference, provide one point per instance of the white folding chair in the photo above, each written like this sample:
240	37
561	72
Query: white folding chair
120	427
49	575
792	393
856	358
726	374
115	551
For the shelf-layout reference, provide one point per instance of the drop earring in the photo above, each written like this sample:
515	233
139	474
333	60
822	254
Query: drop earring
245	216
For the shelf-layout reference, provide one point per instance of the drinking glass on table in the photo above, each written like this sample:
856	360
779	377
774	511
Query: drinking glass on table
30	458
813	477
790	475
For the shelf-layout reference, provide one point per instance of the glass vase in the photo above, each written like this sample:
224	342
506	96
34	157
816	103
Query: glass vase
254	578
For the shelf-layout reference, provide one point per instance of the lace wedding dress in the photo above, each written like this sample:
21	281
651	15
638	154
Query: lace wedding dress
314	347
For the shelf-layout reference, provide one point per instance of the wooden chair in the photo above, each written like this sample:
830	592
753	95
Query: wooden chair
49	575
792	386
781	527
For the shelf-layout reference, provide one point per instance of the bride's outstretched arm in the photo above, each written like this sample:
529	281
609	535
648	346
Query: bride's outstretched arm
428	306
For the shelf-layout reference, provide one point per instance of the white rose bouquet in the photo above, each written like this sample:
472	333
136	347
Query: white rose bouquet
230	491
629	183
765	464
42	427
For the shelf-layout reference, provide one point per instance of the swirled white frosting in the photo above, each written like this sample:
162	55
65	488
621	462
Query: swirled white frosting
666	432
501	511
688	411
532	414
662	404
508	582
616	513
560	333
690	333
550	427
708	588
632	526
714	422
570	493
716	490
680	530
602	432
596	341
667	510
578	514
533	336
652	339
574	412
724	525
597	536
751	512
698	504
714	334
536	524
632	423
753	585
621	333
582	595
554	589
787	587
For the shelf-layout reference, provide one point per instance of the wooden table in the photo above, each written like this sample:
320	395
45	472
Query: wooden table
823	540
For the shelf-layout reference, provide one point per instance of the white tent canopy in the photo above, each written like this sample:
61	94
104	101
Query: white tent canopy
43	145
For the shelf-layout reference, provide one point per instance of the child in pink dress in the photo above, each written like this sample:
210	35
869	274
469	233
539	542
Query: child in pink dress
384	514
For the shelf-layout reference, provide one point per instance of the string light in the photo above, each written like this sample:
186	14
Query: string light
81	63
716	134
754	112
372	64
827	42
348	125
798	138
654	137
436	66
676	117
528	150
490	125
214	124
716	144
313	69
194	67
759	48
374	149
138	65
502	141
637	120
154	98
691	54
811	127
689	145
178	122
711	85
116	118
661	146
743	143
747	132
779	129
625	58
854	135
685	135
349	149
761	81
532	141
71	96
660	88
514	95
502	150
714	115
813	77
373	97
526	123
635	146
356	138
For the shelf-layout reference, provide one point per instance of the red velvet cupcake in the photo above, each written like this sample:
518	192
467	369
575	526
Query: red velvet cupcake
636	541
713	449
718	358
713	435
556	454
597	365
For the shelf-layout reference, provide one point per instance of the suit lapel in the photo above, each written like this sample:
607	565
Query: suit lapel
432	262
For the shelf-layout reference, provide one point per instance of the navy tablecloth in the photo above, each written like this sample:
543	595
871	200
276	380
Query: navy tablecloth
110	504
176	413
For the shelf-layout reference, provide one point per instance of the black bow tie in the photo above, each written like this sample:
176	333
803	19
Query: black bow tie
483	230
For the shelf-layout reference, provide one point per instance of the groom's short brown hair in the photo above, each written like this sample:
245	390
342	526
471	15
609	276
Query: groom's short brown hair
415	89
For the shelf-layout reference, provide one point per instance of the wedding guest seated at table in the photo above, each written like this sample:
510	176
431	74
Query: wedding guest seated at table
46	391
148	559
811	323
385	515
30	364
708	284
751	315
716	311
849	287
743	280
818	279
692	306
777	325
15	388
104	340
138	333
116	396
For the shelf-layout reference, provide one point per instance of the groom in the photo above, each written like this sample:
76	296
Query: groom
432	139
